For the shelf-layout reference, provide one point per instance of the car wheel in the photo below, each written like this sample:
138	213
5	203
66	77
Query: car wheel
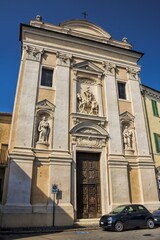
150	223
119	226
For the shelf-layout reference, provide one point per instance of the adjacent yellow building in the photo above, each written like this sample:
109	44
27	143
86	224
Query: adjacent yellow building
151	102
5	126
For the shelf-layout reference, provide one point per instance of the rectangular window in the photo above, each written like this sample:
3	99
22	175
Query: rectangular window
121	90
155	108
157	142
46	77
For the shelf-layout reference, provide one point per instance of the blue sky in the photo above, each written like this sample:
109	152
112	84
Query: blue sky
138	20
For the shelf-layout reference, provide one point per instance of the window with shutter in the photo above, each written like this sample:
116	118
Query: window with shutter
155	108
157	142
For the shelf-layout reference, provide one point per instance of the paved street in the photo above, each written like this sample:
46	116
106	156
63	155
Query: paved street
138	234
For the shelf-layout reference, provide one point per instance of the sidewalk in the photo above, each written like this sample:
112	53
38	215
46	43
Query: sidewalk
25	230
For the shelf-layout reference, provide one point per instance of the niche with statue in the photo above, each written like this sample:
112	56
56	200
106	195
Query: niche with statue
43	129
128	133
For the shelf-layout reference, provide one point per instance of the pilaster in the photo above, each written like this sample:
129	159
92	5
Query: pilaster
138	112
115	142
28	96
61	119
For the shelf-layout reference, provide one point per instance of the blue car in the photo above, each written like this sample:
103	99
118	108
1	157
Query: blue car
156	215
127	217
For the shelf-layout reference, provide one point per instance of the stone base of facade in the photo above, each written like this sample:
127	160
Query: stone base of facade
39	216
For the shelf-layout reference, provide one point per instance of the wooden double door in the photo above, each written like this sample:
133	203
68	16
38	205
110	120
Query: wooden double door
88	185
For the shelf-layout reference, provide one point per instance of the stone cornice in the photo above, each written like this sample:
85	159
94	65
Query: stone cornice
25	29
151	92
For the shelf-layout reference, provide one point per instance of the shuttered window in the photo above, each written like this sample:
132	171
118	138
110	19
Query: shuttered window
155	108
157	142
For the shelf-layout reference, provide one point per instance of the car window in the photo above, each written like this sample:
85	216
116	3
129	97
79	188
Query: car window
141	208
118	209
130	209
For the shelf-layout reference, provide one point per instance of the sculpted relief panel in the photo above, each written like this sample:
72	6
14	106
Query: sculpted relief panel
87	102
89	141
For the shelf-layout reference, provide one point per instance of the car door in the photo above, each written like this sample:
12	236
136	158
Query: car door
141	214
130	218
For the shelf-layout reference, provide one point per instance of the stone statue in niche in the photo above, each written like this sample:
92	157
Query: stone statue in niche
44	130
127	138
87	103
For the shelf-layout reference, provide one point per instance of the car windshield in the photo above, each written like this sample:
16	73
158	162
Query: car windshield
118	209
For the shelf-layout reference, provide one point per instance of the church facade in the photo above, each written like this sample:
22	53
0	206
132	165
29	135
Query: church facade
78	143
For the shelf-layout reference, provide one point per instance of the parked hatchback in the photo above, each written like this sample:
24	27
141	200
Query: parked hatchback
127	216
156	215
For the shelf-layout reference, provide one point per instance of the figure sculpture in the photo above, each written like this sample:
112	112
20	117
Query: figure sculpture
127	138
44	130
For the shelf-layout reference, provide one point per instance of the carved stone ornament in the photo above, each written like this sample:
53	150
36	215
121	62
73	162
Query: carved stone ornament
87	81
88	134
109	68
87	102
133	73
89	141
63	59
33	53
89	131
87	66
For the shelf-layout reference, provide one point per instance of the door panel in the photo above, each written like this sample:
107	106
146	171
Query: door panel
88	185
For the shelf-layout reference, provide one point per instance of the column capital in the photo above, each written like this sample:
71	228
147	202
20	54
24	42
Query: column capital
33	53
63	59
109	68
133	74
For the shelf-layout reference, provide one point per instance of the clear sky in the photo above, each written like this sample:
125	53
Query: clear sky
138	20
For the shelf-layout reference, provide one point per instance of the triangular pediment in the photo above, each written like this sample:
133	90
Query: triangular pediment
45	104
87	66
126	116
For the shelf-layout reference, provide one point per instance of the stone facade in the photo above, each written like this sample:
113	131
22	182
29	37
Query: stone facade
83	128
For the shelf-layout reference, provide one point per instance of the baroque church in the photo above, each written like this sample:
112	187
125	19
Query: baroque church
78	145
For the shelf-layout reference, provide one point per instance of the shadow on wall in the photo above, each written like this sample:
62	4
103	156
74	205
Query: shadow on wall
30	202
